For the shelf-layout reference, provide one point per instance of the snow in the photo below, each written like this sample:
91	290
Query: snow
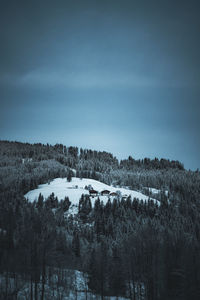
75	287
156	191
73	210
3	231
74	189
26	160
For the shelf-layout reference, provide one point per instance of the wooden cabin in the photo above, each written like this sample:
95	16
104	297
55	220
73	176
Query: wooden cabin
93	193
105	193
113	194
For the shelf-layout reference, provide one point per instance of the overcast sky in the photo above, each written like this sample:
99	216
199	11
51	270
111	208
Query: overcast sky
121	76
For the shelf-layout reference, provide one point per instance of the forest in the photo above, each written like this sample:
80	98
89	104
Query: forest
125	248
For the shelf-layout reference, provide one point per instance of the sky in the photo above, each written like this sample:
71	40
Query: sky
120	76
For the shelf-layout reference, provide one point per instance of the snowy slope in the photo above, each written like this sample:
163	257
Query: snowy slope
74	189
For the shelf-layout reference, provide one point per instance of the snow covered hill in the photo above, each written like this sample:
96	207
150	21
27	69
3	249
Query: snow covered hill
74	189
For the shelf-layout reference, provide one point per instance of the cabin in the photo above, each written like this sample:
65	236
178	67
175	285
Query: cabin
105	193
93	193
113	194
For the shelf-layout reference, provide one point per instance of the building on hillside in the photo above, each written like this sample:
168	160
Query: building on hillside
105	193
113	194
93	193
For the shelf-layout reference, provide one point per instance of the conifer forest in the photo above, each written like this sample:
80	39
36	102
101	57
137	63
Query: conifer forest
124	248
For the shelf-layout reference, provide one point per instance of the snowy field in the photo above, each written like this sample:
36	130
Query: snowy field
74	189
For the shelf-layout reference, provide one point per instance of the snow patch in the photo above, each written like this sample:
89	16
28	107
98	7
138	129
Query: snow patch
156	191
74	189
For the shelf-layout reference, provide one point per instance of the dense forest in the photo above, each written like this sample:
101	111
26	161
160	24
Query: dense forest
126	247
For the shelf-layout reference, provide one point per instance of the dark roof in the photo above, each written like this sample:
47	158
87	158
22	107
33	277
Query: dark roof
113	194
93	192
105	192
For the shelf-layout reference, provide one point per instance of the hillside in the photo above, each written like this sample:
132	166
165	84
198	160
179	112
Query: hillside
76	187
143	243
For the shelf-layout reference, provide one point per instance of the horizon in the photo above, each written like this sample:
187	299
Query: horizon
115	76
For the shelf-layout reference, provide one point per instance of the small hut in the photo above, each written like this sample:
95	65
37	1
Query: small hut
105	193
113	194
93	193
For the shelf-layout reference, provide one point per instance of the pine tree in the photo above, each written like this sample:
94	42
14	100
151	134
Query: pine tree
40	201
76	244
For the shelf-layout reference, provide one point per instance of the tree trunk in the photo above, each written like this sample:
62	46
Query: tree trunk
102	289
43	274
130	291
31	288
6	284
134	295
36	290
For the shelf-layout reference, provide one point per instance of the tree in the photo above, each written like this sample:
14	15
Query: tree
66	204
40	201
69	177
76	244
